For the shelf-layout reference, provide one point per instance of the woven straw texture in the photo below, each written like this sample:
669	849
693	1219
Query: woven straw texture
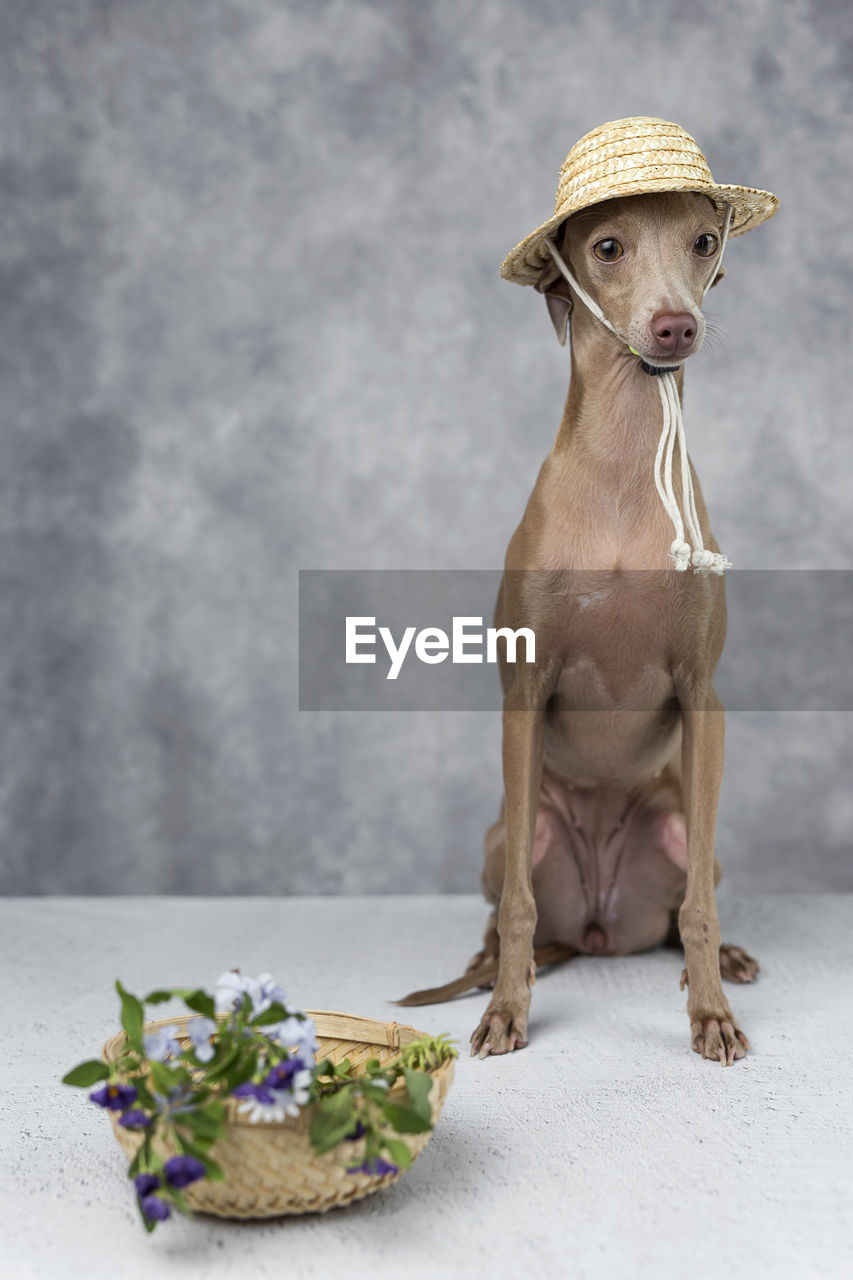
270	1169
633	157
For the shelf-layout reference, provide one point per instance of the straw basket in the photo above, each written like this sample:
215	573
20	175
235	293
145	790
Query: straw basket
270	1168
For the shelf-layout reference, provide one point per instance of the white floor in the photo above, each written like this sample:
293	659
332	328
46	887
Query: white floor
605	1149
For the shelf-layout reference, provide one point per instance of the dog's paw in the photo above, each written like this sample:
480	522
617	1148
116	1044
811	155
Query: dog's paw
500	1031
718	1037
737	965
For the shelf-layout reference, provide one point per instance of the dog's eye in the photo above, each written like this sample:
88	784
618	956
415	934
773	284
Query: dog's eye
607	250
706	246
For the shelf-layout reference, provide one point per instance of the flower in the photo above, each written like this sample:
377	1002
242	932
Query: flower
180	1171
199	1031
284	1090
134	1119
282	1074
270	992
259	1103
154	1209
178	1103
295	1032
377	1167
358	1132
257	1091
115	1097
299	1091
161	1044
231	987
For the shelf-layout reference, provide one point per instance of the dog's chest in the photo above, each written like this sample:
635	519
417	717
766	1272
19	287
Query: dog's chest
604	519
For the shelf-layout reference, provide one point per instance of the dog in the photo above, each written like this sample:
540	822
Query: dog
613	738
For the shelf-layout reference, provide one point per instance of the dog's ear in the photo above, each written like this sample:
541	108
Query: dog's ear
558	298
718	277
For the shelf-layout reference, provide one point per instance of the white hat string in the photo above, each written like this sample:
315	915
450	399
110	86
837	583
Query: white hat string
702	561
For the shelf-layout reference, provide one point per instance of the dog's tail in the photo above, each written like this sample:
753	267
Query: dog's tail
553	953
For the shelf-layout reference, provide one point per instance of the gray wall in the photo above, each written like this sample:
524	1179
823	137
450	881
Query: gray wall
252	322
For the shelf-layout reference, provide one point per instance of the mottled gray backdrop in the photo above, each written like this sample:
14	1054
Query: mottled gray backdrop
252	322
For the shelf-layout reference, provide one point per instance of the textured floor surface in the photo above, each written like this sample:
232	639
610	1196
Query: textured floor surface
605	1149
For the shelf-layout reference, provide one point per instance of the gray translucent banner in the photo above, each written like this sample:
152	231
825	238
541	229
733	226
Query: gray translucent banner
789	645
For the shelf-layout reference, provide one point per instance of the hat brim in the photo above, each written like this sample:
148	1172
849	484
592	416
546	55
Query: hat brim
750	206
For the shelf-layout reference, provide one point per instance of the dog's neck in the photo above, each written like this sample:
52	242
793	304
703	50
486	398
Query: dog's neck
613	409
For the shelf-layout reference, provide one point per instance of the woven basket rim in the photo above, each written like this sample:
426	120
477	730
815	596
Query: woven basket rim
328	1022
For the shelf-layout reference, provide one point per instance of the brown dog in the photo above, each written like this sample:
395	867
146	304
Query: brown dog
613	737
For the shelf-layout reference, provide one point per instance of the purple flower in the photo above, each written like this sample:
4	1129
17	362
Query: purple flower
284	1090
258	1092
377	1167
115	1097
180	1171
358	1132
281	1075
155	1209
134	1119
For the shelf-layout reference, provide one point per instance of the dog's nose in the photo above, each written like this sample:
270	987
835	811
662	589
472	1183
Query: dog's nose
674	334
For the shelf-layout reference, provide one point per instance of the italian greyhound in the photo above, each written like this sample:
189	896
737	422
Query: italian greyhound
613	737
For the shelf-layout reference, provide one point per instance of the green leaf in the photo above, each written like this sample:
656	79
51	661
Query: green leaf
87	1073
399	1152
145	1098
373	1092
275	1013
333	1119
200	1002
157	997
405	1119
219	1068
178	1199
240	1072
203	1124
165	1078
418	1086
131	1017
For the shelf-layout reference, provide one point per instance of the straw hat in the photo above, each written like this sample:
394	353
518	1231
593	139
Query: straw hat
629	158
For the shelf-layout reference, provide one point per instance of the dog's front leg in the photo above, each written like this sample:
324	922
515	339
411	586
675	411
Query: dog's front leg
504	1024
713	1029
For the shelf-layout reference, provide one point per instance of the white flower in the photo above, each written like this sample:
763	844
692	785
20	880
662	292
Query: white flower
270	992
275	1104
258	1111
232	986
199	1031
161	1044
299	1088
295	1033
230	989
